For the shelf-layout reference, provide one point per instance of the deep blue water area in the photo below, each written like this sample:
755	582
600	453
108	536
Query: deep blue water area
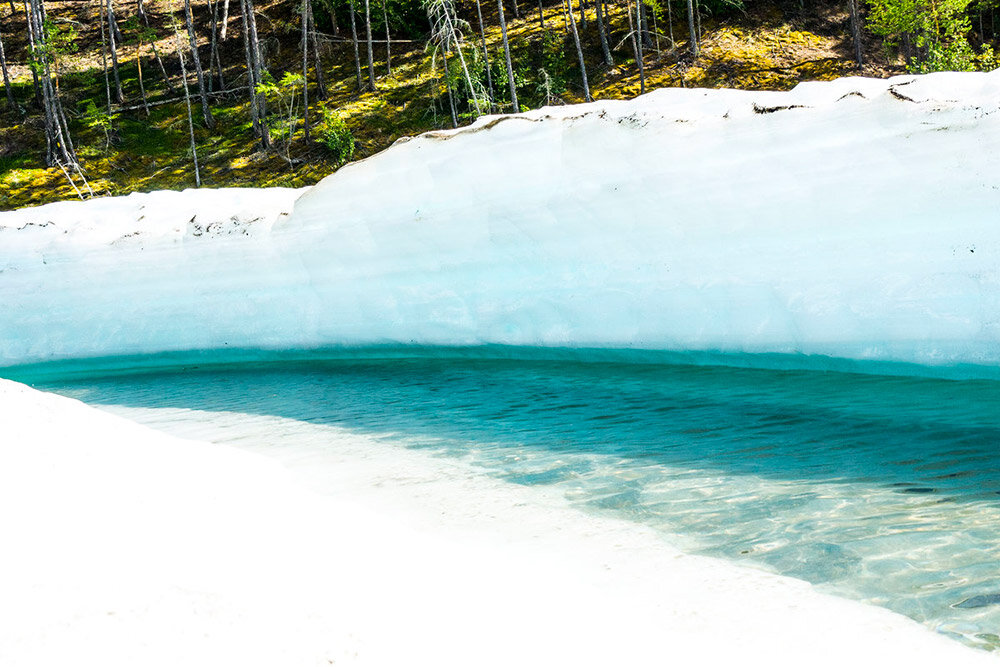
875	487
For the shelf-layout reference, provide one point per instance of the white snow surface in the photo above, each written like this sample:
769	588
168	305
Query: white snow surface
124	546
856	219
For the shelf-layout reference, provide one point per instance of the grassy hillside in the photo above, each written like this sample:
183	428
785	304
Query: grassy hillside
764	46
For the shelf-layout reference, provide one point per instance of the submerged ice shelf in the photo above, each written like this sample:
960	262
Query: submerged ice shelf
854	219
221	556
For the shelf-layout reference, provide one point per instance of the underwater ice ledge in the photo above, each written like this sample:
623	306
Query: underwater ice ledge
841	225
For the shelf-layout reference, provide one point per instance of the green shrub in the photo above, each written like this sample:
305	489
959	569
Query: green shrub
336	136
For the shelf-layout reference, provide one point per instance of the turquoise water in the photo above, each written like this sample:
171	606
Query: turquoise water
878	488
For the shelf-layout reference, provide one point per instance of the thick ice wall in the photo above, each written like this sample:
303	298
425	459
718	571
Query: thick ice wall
140	274
854	218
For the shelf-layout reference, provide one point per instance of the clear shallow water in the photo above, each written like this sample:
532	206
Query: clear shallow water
884	489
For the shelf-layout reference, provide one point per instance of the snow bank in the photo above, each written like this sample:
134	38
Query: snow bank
125	546
853	218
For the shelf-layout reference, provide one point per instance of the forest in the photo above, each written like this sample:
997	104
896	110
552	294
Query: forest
107	97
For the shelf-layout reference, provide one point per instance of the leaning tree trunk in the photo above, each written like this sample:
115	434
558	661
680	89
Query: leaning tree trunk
112	31
199	72
579	52
6	78
156	51
506	53
371	54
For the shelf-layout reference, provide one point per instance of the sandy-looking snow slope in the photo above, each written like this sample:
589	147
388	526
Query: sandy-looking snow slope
125	546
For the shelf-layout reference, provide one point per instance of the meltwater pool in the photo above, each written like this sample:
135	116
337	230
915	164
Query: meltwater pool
878	488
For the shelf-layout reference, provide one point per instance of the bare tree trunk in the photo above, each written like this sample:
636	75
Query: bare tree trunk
605	50
225	20
112	30
36	84
541	16
142	85
368	37
259	67
579	52
156	51
506	53
187	101
258	106
214	62
320	86
517	13
697	17
104	55
855	30
694	35
6	78
354	39
670	22
486	55
647	39
388	41
59	150
305	71
199	72
637	45
447	83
